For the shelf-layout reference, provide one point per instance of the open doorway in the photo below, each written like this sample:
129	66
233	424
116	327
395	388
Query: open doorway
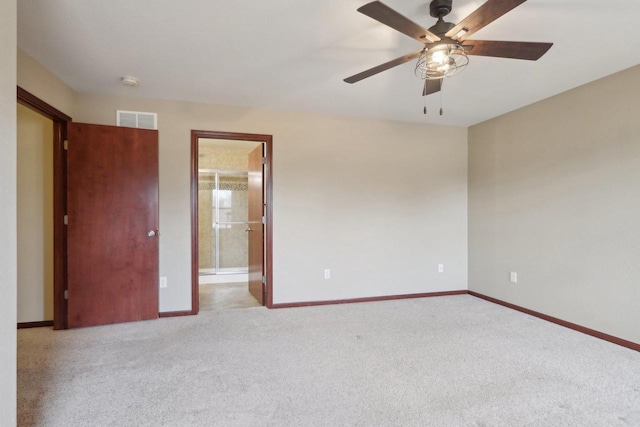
41	238
35	218
231	216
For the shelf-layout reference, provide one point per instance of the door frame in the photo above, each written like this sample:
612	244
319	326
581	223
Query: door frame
60	121
268	198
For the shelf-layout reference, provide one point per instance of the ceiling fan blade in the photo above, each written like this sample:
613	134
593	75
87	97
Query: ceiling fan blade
384	14
431	86
383	67
517	50
483	16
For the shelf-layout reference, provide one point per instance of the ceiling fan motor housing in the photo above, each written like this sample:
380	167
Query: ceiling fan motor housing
440	8
441	28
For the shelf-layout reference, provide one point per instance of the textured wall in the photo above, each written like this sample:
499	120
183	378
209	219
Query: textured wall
223	158
35	216
8	263
554	195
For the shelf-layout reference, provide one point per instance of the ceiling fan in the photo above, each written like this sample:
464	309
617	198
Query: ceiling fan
446	47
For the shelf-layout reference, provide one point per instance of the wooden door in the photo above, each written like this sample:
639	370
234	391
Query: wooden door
255	226
112	232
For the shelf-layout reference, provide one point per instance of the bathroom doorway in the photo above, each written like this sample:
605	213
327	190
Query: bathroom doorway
230	211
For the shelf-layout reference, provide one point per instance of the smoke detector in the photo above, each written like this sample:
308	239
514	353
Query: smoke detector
130	81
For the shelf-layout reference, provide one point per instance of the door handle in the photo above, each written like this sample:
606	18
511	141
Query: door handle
152	233
248	230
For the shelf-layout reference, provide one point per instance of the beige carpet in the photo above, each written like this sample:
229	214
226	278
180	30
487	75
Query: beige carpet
447	361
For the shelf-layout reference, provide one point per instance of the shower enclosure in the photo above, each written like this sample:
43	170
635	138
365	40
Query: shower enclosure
222	218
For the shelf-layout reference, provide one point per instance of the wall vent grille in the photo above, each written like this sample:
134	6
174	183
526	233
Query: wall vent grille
136	119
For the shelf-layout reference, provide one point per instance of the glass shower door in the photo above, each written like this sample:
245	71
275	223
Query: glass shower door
233	242
207	254
223	212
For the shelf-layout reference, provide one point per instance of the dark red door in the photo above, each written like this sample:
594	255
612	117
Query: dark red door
112	232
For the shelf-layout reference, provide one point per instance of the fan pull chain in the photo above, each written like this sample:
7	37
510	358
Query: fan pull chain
425	105
441	111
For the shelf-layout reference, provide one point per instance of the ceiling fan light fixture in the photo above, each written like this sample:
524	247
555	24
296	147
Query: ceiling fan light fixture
440	61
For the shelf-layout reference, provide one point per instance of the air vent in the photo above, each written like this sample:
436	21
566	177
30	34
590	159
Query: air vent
136	119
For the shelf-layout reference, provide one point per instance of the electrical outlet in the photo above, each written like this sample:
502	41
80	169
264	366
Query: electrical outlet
440	268
513	277
327	273
163	282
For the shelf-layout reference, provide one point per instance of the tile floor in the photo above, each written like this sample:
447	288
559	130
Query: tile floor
223	296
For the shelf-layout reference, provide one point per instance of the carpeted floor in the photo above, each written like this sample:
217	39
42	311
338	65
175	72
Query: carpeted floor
446	361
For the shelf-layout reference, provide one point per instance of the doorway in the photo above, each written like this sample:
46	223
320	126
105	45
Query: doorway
57	265
35	218
69	226
231	220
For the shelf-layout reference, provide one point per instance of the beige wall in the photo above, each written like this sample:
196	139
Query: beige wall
36	79
8	263
35	216
554	195
380	203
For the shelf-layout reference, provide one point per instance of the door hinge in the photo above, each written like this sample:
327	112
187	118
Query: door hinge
264	160
66	294
66	144
264	219
264	280
66	220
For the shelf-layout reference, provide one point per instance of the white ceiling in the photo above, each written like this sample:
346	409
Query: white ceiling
293	54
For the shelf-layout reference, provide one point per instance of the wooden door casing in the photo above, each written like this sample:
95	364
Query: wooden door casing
60	121
112	205
267	172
